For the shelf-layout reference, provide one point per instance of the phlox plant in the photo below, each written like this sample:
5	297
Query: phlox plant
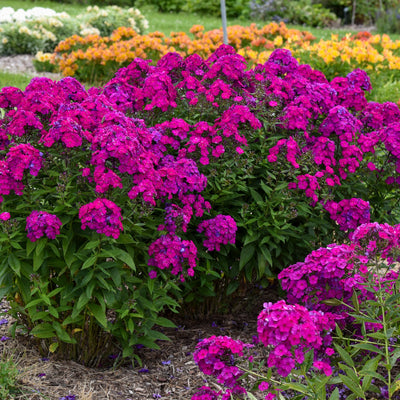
341	342
95	206
194	175
290	156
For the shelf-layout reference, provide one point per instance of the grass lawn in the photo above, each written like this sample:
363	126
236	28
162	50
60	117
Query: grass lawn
16	80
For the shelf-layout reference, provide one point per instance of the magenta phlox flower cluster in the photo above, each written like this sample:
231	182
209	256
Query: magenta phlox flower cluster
21	157
324	274
284	60
292	151
341	122
219	230
159	89
10	97
106	178
215	356
290	331
378	239
42	223
22	122
349	213
308	183
175	217
230	120
103	216
7	182
206	393
171	252
348	95
64	129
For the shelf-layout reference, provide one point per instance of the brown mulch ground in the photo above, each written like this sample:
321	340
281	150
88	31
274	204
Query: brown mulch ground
168	373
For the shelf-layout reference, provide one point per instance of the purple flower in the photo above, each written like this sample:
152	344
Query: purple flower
5	216
103	216
40	223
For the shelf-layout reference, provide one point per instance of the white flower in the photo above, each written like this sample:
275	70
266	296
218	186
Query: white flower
89	30
24	30
4	40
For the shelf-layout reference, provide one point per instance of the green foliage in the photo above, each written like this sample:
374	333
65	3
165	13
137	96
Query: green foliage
170	6
107	19
9	374
388	21
234	8
16	80
302	12
43	34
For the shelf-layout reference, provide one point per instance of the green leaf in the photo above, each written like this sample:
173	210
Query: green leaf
126	258
266	254
308	360
30	246
298	387
395	355
91	244
332	302
89	262
345	356
377	335
53	347
334	395
16	245
371	365
82	301
232	287
246	255
166	323
98	313
369	347
353	386
43	331
37	260
40	244
14	264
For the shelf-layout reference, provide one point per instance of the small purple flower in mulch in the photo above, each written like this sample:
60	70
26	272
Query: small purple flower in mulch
4	338
214	324
44	359
166	362
41	375
255	339
143	370
3	321
156	395
69	397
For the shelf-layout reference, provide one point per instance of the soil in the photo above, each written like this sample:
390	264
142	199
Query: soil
167	373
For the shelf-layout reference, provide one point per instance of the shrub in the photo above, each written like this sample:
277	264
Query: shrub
30	33
295	12
107	19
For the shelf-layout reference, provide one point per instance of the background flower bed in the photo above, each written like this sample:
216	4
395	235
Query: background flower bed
41	29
